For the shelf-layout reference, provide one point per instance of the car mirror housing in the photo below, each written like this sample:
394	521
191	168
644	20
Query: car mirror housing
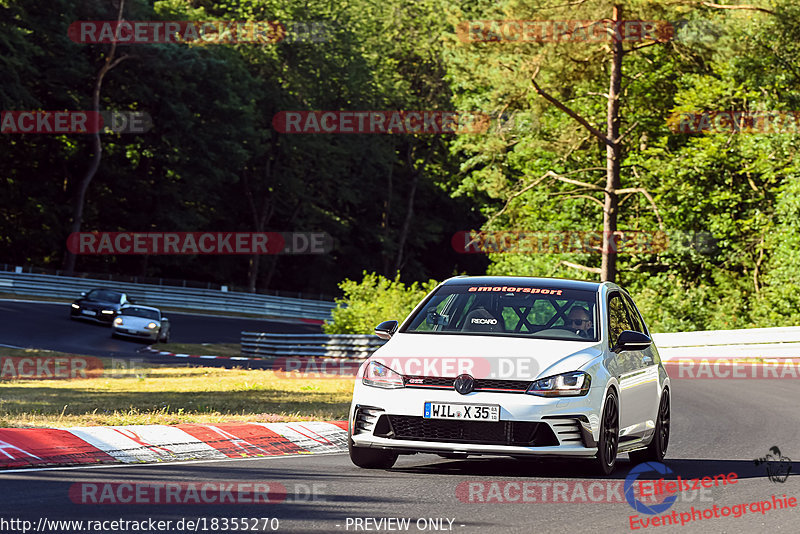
386	329
630	340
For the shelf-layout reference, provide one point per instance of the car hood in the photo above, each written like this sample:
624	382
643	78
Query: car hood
131	321
498	357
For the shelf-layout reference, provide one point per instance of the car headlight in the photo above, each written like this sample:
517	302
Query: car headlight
108	312
151	326
379	376
572	384
75	306
118	321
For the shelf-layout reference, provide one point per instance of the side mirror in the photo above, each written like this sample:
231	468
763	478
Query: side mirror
630	340
386	329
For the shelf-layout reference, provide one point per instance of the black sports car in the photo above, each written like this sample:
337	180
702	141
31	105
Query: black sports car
101	305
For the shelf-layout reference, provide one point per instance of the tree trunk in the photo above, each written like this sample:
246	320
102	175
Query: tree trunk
97	149
401	242
608	269
386	219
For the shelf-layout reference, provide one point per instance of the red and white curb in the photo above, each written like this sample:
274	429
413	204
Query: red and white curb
36	447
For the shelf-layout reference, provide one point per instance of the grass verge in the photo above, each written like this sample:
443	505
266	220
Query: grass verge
122	394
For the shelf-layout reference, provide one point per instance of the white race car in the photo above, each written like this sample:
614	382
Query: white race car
141	322
516	367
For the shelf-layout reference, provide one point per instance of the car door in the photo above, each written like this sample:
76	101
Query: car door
631	372
649	361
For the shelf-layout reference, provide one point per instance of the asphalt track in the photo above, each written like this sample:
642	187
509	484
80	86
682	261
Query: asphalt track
719	427
46	325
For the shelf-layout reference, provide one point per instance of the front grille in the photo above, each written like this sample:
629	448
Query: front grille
516	433
481	384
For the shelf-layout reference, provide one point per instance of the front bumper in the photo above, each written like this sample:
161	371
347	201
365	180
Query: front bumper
136	333
98	317
529	425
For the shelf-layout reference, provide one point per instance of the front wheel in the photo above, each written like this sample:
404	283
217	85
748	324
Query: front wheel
657	449
370	458
609	435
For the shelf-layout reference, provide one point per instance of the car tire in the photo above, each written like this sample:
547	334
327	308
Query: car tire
657	449
164	339
608	444
370	458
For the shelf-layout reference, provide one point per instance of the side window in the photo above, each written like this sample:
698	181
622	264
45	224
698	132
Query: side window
636	318
617	318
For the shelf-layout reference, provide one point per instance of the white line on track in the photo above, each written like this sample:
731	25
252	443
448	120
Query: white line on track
173	464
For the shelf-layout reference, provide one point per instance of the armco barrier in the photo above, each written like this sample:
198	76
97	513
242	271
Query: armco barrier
45	285
781	342
345	346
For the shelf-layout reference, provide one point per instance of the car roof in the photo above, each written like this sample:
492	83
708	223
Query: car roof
556	283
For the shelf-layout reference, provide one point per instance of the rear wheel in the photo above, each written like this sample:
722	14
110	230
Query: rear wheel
657	449
609	435
370	458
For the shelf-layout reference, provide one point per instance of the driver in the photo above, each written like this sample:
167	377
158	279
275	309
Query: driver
580	322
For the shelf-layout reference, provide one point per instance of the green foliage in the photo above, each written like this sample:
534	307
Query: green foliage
373	300
214	162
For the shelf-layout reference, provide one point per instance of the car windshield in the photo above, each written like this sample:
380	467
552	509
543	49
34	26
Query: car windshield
104	295
141	312
521	310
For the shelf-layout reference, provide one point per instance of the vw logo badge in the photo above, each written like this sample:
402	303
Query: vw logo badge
464	384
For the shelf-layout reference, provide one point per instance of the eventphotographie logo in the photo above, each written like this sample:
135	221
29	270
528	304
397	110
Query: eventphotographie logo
778	466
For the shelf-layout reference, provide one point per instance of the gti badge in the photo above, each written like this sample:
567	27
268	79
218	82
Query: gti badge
464	384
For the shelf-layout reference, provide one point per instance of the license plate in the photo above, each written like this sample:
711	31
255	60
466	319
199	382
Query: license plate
88	312
463	412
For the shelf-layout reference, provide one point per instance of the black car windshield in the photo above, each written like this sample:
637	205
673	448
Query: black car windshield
140	312
521	310
104	295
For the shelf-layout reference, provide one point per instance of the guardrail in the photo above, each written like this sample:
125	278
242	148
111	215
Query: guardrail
44	285
781	342
274	346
